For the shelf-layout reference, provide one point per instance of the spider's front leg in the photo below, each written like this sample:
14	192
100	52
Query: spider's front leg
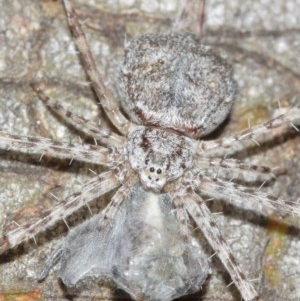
104	222
203	218
255	199
95	188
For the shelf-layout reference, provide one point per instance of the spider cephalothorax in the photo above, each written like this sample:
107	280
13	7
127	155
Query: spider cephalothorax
158	155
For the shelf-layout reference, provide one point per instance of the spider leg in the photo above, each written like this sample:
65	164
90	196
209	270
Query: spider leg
233	169
269	129
109	105
111	209
103	134
245	197
107	216
203	218
50	263
187	13
61	150
181	216
95	188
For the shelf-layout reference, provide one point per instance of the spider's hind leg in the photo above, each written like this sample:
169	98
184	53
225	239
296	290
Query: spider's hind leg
109	105
99	132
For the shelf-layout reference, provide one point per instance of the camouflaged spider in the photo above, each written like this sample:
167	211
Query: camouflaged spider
177	91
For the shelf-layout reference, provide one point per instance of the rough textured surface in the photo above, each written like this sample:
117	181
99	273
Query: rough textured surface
260	39
174	81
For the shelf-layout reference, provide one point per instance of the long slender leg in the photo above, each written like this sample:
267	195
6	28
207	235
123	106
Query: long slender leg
50	263
231	169
107	216
39	146
203	218
181	216
246	198
195	11
111	209
103	134
108	103
267	130
95	188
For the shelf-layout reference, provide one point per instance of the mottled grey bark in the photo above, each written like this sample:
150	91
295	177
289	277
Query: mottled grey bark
260	38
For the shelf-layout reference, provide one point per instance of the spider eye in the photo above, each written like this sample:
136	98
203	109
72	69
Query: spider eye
158	171
146	161
152	169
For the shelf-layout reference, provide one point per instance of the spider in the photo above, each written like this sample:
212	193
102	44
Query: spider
159	156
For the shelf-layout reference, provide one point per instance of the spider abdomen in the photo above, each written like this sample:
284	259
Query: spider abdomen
175	82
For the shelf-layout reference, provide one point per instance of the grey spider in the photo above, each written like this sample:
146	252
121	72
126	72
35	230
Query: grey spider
159	161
